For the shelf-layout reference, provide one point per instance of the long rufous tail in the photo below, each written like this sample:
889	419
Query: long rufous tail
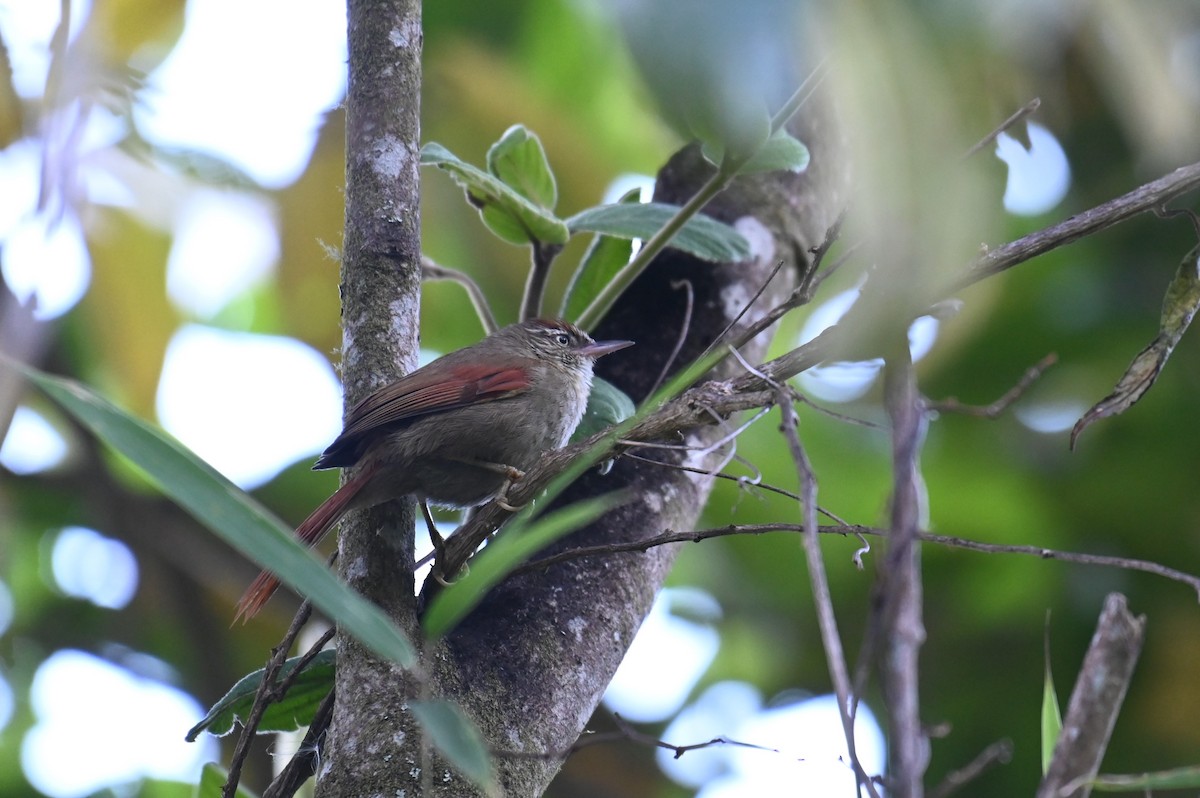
309	532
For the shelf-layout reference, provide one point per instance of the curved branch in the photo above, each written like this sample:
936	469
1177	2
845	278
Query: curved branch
1141	199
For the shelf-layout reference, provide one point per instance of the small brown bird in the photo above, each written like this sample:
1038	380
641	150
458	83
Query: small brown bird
459	430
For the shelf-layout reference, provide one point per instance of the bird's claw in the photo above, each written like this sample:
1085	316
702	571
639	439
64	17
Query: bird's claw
511	475
441	580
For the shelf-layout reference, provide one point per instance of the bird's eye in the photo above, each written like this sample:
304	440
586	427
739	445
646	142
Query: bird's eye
562	339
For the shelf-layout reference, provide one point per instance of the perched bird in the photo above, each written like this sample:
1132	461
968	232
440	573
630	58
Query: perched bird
458	431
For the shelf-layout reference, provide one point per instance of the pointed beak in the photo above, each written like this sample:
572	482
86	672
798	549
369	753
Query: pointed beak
599	348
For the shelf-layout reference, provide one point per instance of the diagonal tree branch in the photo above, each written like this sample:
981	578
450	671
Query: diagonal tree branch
1143	198
1095	701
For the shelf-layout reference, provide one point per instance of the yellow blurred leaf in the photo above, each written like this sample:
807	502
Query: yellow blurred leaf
11	114
136	32
311	212
126	308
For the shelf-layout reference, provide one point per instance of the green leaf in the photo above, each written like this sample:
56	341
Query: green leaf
607	405
604	257
730	138
509	549
782	152
228	511
294	711
456	736
1051	715
213	778
519	160
166	788
1179	306
702	236
712	66
507	213
1185	778
504	224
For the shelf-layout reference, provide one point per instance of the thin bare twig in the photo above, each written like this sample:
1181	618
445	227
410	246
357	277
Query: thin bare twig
800	96
732	435
304	763
434	271
1076	558
626	732
996	408
689	301
1022	112
756	483
1125	563
998	753
831	640
815	275
679	750
263	698
799	296
749	303
1163	212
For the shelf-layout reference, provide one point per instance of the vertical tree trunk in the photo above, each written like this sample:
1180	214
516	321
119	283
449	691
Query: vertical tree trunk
381	279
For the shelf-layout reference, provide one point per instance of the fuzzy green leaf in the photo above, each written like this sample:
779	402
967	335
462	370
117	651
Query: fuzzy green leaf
605	256
782	152
702	236
520	162
1051	719
507	213
607	405
294	711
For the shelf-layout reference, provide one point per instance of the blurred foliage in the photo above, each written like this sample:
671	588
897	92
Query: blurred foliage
1119	89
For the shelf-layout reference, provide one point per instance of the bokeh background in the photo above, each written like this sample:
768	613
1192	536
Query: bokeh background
170	213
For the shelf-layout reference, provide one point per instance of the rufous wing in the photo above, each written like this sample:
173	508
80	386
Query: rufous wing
425	391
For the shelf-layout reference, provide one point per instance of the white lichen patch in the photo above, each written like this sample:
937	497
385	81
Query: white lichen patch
356	568
735	296
658	501
390	156
576	626
404	328
403	37
762	243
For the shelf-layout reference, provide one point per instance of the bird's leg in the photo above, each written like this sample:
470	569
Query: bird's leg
510	474
435	537
439	544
